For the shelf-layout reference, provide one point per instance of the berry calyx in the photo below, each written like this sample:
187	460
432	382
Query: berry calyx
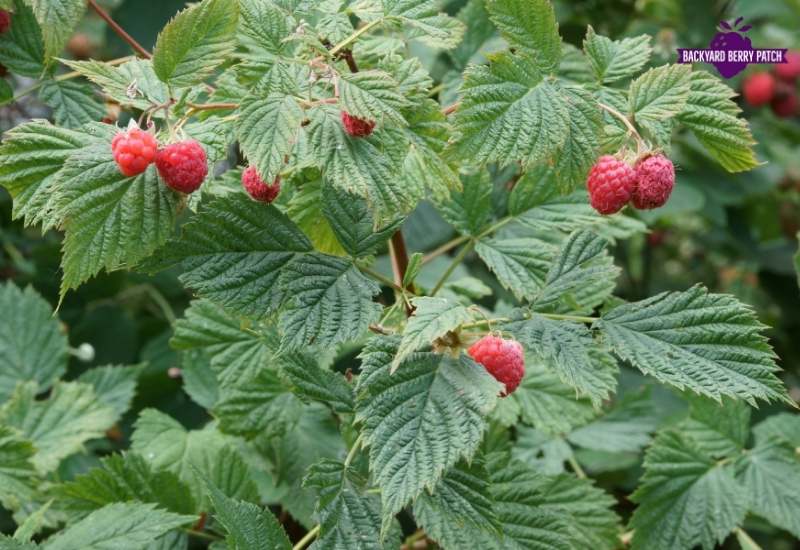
655	178
257	188
784	104
503	359
790	70
183	165
610	183
5	21
758	89
357	127
134	150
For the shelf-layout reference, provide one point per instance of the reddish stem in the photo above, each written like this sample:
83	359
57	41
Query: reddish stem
119	30
399	257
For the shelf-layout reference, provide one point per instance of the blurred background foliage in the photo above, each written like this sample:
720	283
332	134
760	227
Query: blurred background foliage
736	233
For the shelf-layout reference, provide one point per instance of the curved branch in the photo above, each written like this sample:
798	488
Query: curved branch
138	48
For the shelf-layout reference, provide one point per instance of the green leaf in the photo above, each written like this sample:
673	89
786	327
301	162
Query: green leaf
132	84
709	343
195	456
712	115
235	352
581	277
21	46
122	526
460	509
32	524
114	386
348	518
613	60
529	25
33	347
352	222
510	112
420	420
30	157
573	161
470	209
685	499
520	264
720	431
249	527
547	403
423	20
59	425
195	42
233	253
569	350
329	301
770	474
432	319
625	428
317	383
428	133
263	28
372	95
17	472
123	478
199	379
783	425
659	94
57	19
359	166
74	103
593	523
7	543
110	221
262	403
267	129
524	523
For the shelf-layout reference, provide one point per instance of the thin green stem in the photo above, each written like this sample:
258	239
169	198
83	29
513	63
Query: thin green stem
497	225
383	279
446	247
419	534
453	265
201	534
576	467
353	450
353	37
560	317
745	540
487	322
626	121
306	539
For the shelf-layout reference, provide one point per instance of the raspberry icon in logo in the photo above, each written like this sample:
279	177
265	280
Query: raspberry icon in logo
731	38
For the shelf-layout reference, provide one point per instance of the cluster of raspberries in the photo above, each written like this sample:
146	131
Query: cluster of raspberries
778	88
613	183
183	165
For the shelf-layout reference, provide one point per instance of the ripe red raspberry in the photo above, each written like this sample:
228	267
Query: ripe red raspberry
357	127
134	150
504	359
790	70
610	184
758	89
183	165
784	104
5	21
256	187
655	178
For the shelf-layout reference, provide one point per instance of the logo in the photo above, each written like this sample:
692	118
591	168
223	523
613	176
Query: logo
730	51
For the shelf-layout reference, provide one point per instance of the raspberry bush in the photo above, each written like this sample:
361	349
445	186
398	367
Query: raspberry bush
349	390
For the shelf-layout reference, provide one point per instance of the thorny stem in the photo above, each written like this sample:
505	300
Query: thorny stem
399	257
119	30
456	261
353	37
306	539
